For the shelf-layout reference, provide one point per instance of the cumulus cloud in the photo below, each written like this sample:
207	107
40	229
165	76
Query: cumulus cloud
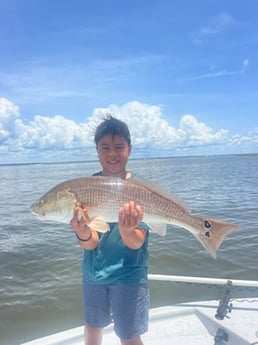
46	133
145	122
148	129
8	114
44	136
197	133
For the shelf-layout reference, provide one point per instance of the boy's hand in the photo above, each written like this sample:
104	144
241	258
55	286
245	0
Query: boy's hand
129	216
79	224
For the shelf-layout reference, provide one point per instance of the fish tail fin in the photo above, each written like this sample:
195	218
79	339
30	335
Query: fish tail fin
213	233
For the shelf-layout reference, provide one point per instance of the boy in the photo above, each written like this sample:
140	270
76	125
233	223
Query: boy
115	263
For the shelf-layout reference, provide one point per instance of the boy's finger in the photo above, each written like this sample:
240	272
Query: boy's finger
75	214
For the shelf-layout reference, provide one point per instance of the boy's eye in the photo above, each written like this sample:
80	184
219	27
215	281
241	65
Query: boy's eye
117	148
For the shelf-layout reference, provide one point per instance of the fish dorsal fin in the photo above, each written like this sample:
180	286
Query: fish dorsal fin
159	190
98	224
159	228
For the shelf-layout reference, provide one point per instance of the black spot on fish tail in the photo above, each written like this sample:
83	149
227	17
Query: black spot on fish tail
207	224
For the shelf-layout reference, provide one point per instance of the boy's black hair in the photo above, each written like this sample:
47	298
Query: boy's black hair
112	126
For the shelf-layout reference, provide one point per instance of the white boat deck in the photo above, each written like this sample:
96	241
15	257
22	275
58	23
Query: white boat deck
190	323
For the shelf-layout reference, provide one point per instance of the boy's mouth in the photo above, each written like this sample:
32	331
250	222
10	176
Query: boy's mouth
113	162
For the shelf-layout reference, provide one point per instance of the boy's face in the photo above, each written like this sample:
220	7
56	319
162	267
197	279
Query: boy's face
113	155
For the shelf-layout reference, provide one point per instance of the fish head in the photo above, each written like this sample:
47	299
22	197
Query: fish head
56	205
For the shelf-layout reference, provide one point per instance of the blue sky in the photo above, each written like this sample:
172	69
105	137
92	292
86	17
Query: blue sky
182	74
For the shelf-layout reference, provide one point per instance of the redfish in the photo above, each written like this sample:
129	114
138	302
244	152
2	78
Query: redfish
103	196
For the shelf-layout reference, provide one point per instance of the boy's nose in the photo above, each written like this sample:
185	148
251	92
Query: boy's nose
112	153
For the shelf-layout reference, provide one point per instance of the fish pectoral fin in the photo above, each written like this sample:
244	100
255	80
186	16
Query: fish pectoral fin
98	224
83	213
160	228
95	223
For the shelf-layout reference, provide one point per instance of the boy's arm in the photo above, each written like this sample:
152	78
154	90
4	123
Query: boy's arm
130	216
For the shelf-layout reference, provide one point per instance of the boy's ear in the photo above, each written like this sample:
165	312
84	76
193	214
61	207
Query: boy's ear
130	149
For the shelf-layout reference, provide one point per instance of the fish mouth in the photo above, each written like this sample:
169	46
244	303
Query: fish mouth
37	214
35	210
32	209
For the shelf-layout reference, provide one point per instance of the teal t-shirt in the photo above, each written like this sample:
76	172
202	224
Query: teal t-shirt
112	262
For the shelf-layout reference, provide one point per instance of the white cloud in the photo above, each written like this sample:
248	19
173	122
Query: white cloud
214	26
8	114
46	133
146	125
197	133
50	138
251	137
245	65
218	24
220	73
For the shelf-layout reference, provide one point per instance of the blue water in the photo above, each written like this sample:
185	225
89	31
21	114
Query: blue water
40	264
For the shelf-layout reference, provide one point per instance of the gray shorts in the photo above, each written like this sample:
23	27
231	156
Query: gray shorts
127	305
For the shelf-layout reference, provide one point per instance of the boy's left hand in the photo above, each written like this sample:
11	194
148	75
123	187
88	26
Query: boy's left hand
129	216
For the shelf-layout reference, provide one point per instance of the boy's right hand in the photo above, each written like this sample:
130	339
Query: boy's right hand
79	224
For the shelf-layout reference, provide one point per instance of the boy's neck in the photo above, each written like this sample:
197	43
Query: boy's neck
124	175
